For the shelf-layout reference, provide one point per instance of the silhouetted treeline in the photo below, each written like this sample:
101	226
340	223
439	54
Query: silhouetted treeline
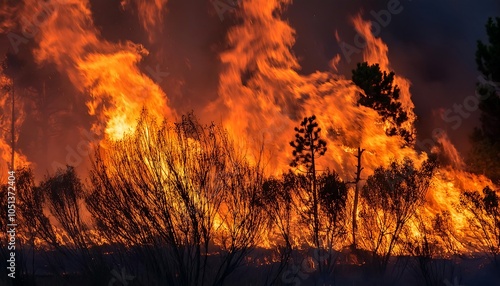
178	203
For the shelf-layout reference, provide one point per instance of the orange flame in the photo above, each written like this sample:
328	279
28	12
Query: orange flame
5	125
263	96
150	14
262	93
107	71
376	52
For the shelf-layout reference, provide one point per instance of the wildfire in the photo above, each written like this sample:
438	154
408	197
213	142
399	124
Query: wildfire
261	88
107	71
262	93
150	14
6	94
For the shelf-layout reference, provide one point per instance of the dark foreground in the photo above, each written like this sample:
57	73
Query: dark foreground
301	269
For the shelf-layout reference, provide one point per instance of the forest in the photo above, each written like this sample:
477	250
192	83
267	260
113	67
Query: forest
307	179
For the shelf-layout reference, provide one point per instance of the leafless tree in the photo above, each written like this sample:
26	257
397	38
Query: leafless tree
28	209
52	213
333	197
178	194
276	198
483	215
432	250
391	197
63	193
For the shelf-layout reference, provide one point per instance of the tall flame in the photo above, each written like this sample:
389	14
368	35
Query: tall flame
451	180
107	71
150	14
6	94
262	92
376	52
264	95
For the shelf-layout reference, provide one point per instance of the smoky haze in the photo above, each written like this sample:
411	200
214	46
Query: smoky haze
432	43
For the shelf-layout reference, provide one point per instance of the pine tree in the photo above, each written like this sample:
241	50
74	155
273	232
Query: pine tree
308	147
484	157
382	95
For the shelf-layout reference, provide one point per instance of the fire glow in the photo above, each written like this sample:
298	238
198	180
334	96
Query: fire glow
262	95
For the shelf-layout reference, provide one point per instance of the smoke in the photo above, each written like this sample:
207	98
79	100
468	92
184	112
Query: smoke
431	43
150	14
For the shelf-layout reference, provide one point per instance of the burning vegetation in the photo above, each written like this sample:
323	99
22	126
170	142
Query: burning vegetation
305	178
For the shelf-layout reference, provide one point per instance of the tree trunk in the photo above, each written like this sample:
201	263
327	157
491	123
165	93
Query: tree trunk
356	196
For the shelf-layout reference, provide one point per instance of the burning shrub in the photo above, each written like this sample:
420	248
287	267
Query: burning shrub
392	196
178	194
333	197
53	223
483	214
